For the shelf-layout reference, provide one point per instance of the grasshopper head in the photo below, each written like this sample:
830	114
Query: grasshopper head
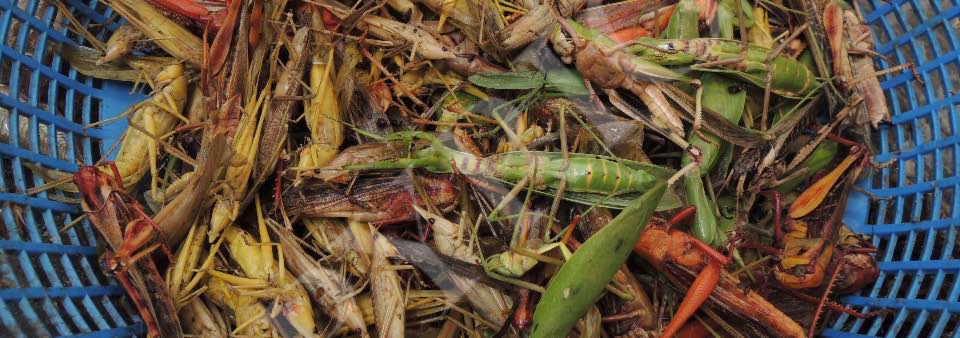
669	47
88	180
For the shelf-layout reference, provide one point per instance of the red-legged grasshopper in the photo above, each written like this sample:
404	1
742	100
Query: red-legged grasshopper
109	207
816	241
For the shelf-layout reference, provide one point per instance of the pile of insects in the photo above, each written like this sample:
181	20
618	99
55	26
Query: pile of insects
483	168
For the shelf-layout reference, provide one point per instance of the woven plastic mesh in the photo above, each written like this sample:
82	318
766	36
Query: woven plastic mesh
50	279
912	207
51	284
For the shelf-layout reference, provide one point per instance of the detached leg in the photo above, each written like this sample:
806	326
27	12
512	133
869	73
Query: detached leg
698	293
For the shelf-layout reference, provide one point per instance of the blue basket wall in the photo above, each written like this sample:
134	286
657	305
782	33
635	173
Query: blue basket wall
51	284
912	207
50	280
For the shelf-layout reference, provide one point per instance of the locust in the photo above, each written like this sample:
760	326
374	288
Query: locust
813	239
677	254
380	203
751	63
588	179
129	255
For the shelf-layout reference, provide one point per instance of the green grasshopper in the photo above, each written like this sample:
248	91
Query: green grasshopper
788	77
586	179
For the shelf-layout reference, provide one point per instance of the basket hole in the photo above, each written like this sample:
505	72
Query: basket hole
919	245
909	171
13	33
48	232
872	212
926	211
955	252
927	9
41	11
905	50
919	93
946	203
945	120
7	171
102	309
908	208
953	73
925	286
889	137
49	52
924	48
94	107
893	24
869	322
904	289
41	276
92	272
899	246
947	161
64	146
935	81
83	278
901	96
929	169
4	232
890	217
60	108
5	125
44	132
59	221
61	311
927	323
876	180
905	138
33	40
84	321
878	32
59	271
909	322
924	129
24	83
887	285
9	258
78	99
952	323
18	269
26	133
944	291
943	40
910	14
63	67
6	69
882	244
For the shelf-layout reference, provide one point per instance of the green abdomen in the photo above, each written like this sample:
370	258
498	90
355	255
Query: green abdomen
602	176
591	175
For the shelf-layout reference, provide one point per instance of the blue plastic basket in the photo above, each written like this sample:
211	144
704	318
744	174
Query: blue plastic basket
51	284
50	280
